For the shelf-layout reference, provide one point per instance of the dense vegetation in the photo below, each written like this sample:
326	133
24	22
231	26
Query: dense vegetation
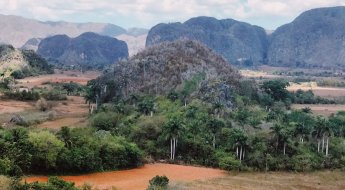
66	151
58	92
22	63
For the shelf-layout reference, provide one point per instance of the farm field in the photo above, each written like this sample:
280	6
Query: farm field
323	180
326	92
71	112
321	109
58	76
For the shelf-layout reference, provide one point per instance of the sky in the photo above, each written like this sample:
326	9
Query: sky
269	14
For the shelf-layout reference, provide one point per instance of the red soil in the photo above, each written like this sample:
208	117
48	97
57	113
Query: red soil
137	179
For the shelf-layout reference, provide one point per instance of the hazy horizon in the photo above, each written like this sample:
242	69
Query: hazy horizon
268	14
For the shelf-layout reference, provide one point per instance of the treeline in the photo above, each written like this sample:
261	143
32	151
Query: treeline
259	133
59	92
67	151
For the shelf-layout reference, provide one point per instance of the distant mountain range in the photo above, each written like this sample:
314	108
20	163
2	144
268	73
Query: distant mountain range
22	32
316	38
87	50
236	41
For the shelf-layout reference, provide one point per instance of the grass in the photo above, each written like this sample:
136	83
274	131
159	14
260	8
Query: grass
5	183
323	180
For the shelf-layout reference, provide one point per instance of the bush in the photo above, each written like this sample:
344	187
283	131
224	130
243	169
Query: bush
106	121
158	183
43	105
229	163
18	74
54	95
23	95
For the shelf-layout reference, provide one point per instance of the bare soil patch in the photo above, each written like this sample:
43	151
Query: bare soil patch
326	92
60	77
321	109
137	179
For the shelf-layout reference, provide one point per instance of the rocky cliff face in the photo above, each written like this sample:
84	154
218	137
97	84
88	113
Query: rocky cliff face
88	49
238	42
316	38
32	44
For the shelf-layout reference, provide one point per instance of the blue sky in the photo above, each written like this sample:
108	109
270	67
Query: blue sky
147	13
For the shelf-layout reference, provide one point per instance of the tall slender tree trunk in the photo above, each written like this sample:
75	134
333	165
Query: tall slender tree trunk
244	152
237	151
284	147
171	148
318	145
241	153
323	143
214	141
327	146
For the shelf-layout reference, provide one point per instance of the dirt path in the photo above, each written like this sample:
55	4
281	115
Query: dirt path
137	179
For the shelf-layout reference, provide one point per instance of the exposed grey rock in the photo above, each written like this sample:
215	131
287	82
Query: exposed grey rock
316	38
32	44
88	49
236	41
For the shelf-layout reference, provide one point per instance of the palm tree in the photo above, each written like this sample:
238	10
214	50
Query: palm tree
173	129
326	133
276	132
282	134
218	108
318	131
215	125
239	139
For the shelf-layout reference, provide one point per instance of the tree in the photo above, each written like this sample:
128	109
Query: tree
276	89
47	147
282	133
172	130
239	140
146	106
218	108
65	135
215	126
242	116
318	131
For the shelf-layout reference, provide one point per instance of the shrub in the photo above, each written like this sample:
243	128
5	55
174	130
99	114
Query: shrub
43	105
17	74
105	121
54	95
158	183
229	163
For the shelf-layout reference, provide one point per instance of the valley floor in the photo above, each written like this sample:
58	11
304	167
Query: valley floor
322	180
137	179
198	178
